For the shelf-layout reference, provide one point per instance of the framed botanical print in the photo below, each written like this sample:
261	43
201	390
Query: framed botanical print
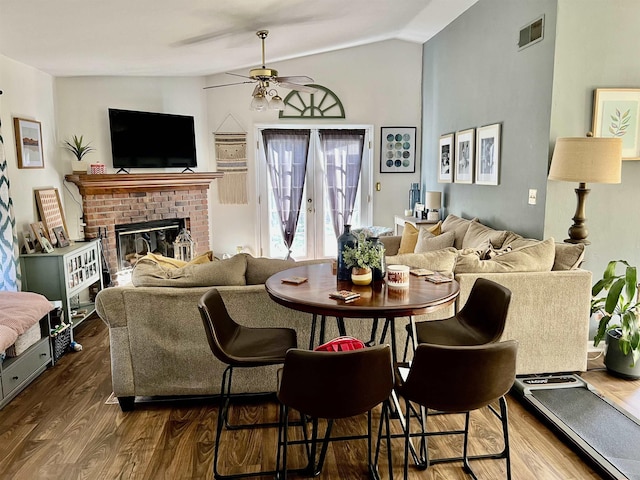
445	158
616	114
488	154
397	149
465	148
28	143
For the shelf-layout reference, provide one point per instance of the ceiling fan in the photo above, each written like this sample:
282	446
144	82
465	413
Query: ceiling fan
266	77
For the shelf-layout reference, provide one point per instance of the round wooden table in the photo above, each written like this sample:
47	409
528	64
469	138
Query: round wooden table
378	300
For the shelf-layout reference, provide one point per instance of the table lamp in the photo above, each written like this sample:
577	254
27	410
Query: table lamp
585	160
432	202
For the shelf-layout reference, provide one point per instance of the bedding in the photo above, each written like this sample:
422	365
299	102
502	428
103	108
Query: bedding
18	312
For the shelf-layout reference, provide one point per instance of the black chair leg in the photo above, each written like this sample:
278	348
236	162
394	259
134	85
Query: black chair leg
505	433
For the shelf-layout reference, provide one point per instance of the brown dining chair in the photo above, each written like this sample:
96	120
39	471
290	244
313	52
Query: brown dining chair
238	346
332	386
481	320
457	379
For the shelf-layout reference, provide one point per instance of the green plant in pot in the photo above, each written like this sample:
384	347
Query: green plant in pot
362	258
79	150
620	323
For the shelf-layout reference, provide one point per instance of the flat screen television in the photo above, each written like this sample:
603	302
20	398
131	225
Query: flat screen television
151	140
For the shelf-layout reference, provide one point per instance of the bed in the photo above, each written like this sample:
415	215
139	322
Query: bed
20	314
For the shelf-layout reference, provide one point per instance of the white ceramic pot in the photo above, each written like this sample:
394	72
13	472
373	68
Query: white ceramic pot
361	276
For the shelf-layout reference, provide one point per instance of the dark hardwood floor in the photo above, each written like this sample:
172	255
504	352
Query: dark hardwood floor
61	428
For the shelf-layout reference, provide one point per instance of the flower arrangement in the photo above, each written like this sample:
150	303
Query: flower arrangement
77	148
365	254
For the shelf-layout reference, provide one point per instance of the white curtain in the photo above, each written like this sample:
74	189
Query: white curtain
9	250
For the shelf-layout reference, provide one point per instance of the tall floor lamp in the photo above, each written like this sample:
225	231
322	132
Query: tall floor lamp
585	160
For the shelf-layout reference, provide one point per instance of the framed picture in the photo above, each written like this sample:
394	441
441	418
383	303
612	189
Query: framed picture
28	143
465	148
488	154
397	149
61	236
39	233
616	114
50	209
446	157
27	242
46	245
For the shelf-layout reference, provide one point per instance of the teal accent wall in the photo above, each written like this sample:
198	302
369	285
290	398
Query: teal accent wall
474	75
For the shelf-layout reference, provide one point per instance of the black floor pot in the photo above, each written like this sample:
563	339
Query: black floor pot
618	363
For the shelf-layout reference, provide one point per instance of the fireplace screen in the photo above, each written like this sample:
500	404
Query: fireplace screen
135	240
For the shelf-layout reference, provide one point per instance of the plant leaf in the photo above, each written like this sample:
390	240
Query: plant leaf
613	296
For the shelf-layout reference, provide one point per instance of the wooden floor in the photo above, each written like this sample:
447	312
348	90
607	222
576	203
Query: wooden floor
61	428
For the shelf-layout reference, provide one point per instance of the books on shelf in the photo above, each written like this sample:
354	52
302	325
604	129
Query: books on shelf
294	280
438	278
345	295
421	272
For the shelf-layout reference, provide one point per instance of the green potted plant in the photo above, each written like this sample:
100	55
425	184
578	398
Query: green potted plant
365	256
619	323
79	150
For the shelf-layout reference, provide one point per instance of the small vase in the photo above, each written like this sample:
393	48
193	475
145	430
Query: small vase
379	272
79	166
361	276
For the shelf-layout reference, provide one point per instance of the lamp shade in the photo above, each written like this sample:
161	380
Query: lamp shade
587	160
433	200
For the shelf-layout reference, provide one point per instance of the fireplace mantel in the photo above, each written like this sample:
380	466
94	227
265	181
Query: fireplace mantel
140	182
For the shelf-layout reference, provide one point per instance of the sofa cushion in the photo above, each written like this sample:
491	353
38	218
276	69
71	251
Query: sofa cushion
231	271
410	236
457	225
428	242
569	256
439	260
391	244
480	236
259	269
537	257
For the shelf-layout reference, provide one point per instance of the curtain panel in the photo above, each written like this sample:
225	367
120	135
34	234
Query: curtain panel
286	152
9	251
342	152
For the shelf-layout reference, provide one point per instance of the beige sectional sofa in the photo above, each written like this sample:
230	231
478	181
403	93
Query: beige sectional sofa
159	347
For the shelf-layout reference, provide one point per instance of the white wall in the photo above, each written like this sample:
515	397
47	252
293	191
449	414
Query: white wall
82	105
378	84
28	93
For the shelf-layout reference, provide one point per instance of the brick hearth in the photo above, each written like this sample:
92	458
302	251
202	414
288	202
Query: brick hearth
118	200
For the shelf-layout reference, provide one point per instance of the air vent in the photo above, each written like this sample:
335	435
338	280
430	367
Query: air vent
531	33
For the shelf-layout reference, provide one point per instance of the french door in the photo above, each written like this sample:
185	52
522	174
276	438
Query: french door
315	237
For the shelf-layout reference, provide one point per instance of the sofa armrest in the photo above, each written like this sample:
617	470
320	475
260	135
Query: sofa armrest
548	315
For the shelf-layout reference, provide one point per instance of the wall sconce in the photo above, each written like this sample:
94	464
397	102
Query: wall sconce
433	202
585	160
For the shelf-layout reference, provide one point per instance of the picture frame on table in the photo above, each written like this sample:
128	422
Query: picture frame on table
398	149
28	135
50	210
465	156
446	157
616	114
27	242
46	245
61	236
39	233
488	154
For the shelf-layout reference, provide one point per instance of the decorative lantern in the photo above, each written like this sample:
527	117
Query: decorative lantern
184	246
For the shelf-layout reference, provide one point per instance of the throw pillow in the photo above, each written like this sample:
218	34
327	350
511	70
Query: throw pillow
530	258
482	237
439	260
410	236
457	225
169	262
569	256
428	242
492	252
230	271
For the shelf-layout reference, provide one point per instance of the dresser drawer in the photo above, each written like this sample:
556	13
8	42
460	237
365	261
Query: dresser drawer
22	368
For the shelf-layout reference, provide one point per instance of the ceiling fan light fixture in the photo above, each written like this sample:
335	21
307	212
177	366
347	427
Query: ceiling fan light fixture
276	102
259	102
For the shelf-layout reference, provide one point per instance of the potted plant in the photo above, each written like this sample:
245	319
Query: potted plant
619	323
365	256
79	150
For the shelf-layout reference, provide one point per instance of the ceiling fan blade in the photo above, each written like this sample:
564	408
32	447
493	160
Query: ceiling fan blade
298	87
226	84
237	75
296	79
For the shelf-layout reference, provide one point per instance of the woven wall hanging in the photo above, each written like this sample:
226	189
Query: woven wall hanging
231	158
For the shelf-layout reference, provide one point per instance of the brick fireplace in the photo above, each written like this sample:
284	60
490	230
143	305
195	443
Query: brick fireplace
117	199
